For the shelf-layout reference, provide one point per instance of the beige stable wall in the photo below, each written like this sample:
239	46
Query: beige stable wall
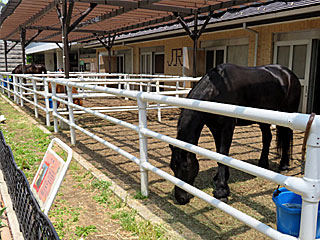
265	53
265	44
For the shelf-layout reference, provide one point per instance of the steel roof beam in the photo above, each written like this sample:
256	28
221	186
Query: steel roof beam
35	17
132	27
83	15
50	36
141	4
12	47
33	37
59	29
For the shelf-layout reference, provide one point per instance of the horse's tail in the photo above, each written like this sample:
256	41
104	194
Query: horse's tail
284	144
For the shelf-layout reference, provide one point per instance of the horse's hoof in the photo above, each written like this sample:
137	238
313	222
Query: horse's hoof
221	194
285	167
225	200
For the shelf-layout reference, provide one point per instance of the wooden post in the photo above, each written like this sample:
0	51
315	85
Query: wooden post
109	52
66	57
194	35
195	44
23	41
6	54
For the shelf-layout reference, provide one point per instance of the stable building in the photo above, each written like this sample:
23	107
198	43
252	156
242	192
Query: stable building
177	37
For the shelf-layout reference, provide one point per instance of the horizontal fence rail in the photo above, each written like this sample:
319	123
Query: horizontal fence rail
34	224
308	186
34	89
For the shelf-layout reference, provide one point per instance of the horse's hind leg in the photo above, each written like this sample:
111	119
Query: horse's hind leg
266	140
284	142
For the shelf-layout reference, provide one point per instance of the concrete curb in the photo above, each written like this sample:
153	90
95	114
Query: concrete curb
142	210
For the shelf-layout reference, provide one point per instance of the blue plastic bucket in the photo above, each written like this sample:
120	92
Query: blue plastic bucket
4	83
50	103
288	206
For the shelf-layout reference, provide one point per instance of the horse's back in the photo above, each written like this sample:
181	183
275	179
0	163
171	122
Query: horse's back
270	87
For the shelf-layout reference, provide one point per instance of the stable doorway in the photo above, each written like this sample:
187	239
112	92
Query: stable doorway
296	55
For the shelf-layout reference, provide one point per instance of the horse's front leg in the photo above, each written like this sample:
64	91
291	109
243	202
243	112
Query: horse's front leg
266	140
223	139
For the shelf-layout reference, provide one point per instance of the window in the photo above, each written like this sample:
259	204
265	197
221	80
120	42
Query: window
146	64
215	57
238	54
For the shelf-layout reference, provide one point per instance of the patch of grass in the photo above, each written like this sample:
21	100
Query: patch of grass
1	213
84	231
28	143
143	229
79	178
64	216
103	197
139	196
100	184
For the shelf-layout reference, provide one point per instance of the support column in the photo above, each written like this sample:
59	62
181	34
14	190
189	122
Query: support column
23	41
195	38
107	46
194	35
65	17
6	54
65	40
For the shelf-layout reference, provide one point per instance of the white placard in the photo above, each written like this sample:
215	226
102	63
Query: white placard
50	174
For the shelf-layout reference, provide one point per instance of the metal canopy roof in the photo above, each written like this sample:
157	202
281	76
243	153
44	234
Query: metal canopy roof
103	16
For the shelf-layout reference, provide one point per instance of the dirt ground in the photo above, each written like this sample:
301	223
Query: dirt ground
196	220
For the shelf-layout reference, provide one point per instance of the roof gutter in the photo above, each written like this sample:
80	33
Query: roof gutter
8	9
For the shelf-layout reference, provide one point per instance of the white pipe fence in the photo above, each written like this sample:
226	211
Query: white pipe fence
30	91
308	186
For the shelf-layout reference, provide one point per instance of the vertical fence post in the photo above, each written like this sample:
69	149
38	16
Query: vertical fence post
15	92
143	146
35	98
177	87
8	86
2	84
309	210
21	91
126	86
55	107
46	99
71	117
158	104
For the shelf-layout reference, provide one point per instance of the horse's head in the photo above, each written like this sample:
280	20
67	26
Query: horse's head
185	166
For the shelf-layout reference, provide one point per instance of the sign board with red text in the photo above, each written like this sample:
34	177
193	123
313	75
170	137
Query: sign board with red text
50	174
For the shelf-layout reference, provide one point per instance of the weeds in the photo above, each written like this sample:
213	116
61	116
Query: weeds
84	231
139	196
1	213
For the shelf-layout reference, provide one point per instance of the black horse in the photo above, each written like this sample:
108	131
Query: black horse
270	87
